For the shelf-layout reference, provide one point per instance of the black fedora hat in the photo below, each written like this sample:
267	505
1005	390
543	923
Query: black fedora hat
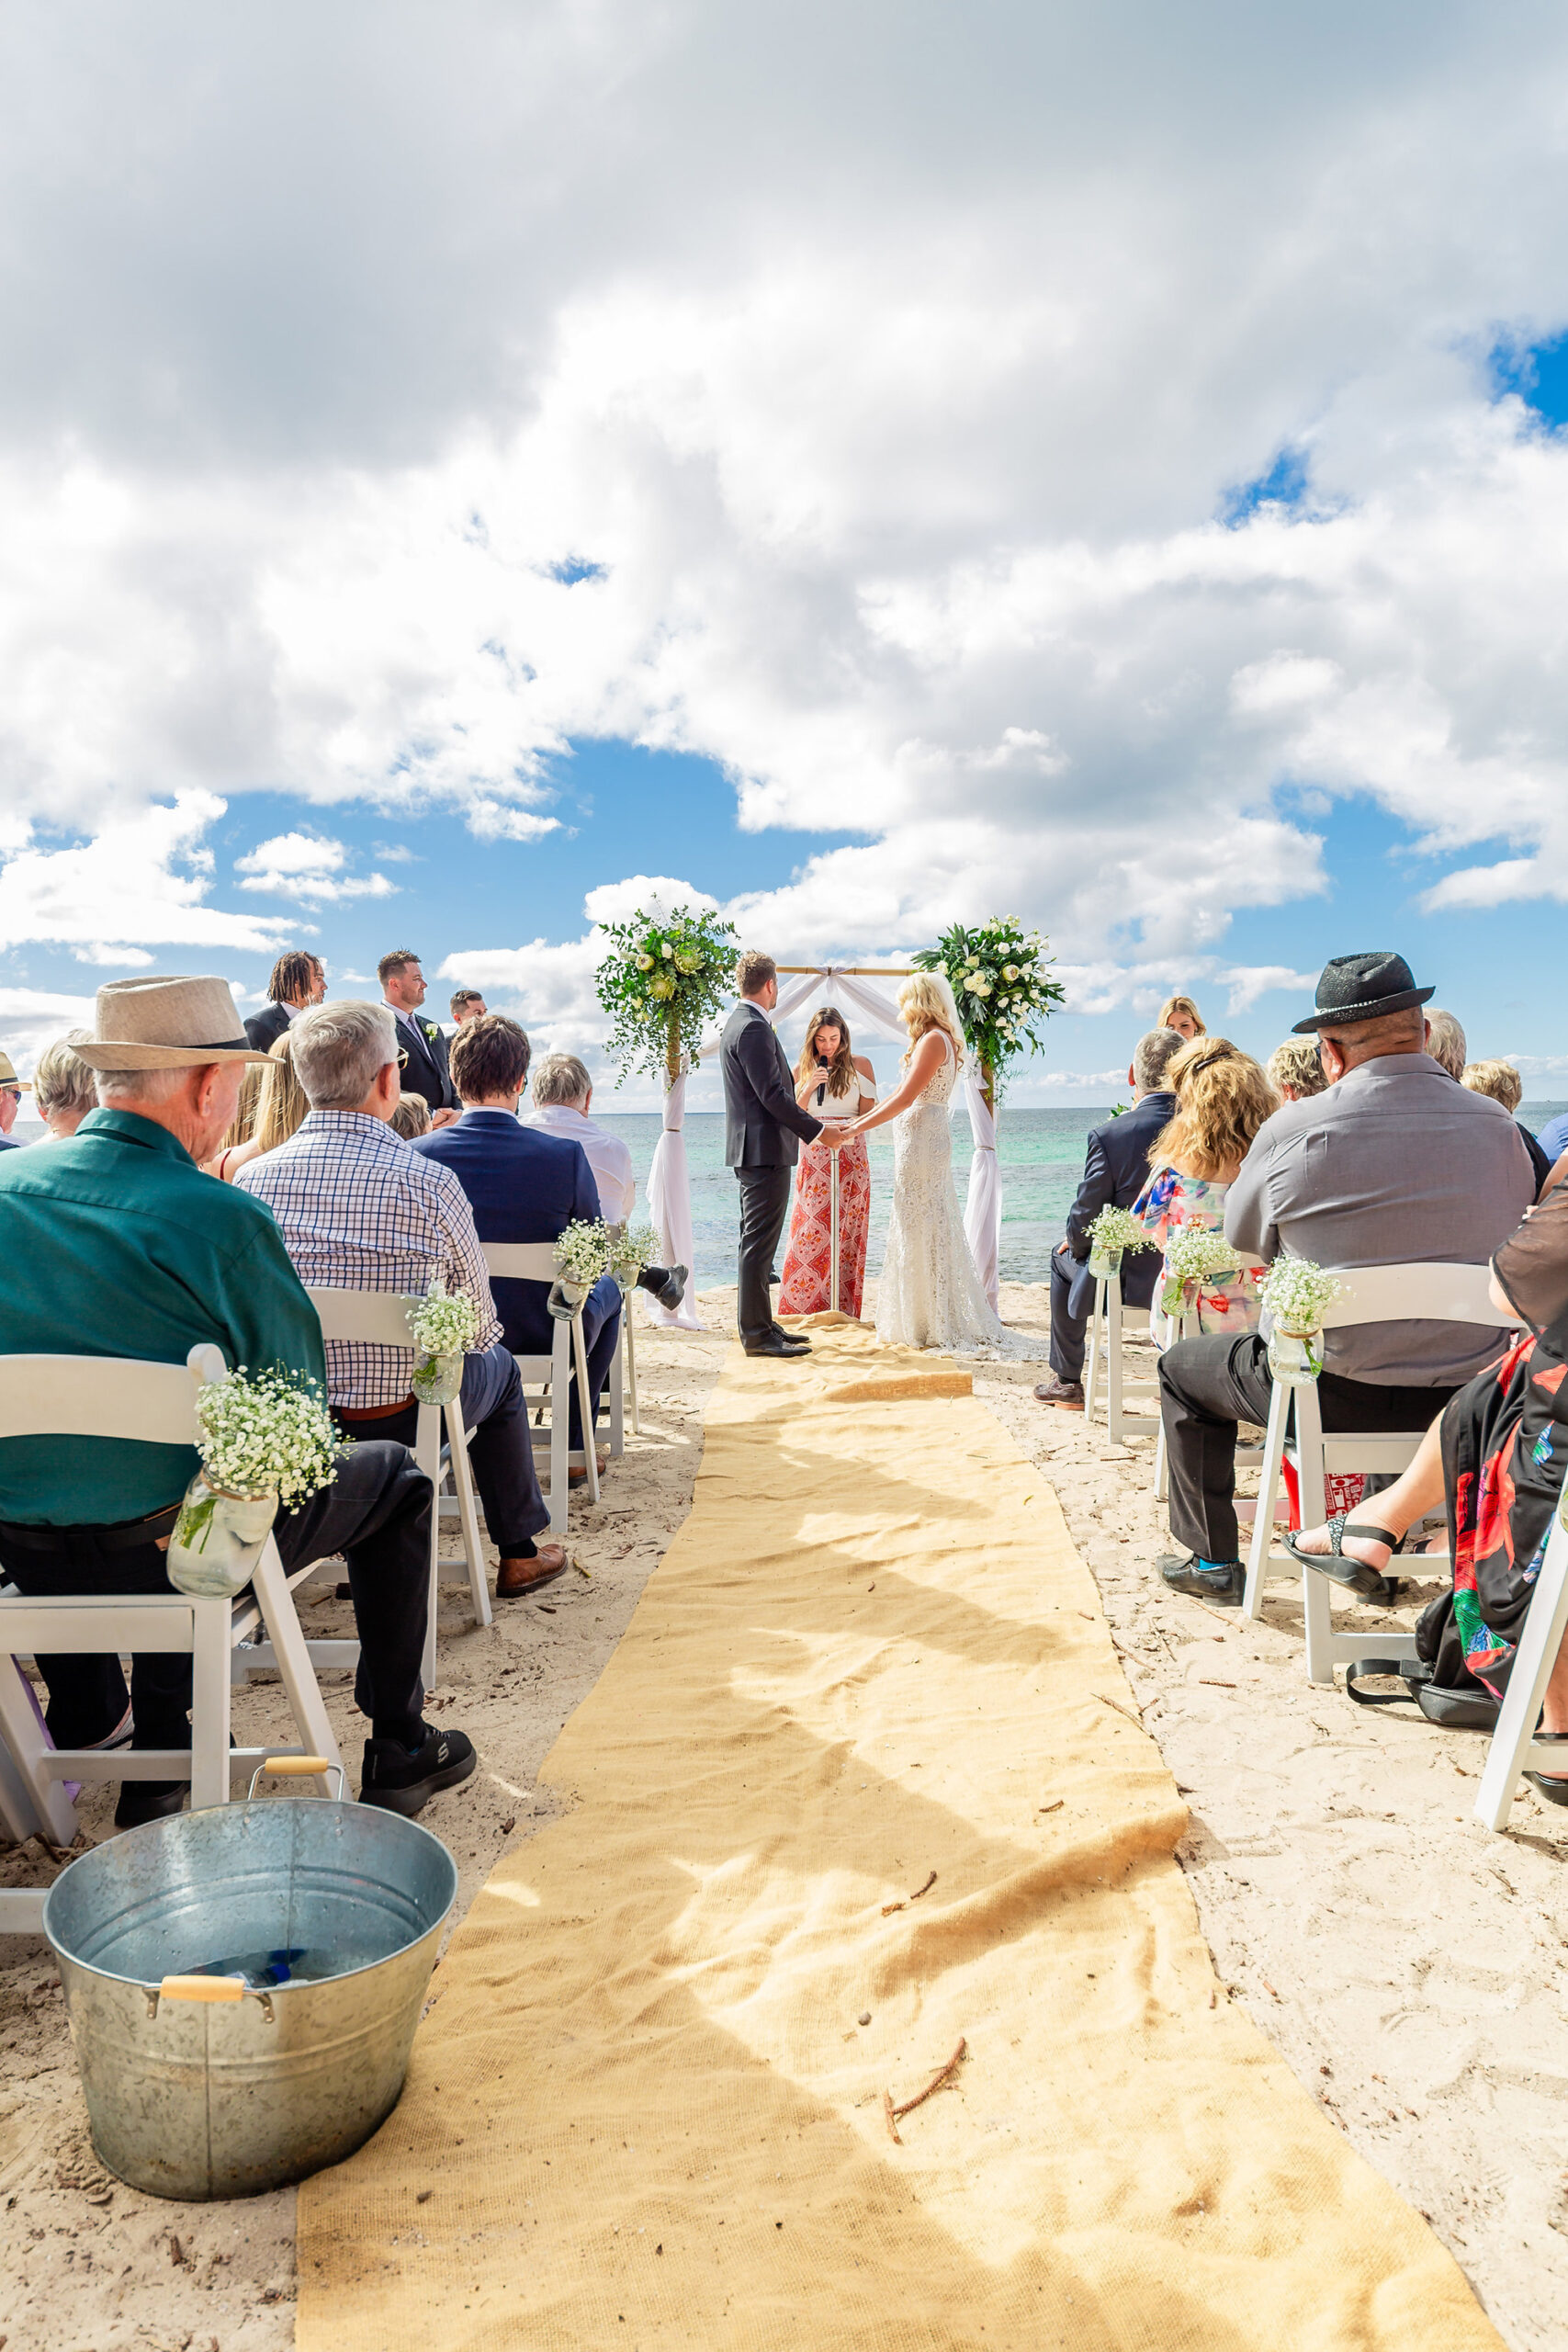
1362	988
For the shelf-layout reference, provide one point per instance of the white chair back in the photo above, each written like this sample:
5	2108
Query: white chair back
112	1396
1423	1292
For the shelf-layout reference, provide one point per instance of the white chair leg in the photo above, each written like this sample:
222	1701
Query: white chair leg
1091	1381
617	1384
1267	1489
1114	1419
24	1738
585	1409
211	1690
468	1518
427	1454
1317	1605
1512	1741
560	1427
292	1653
630	1327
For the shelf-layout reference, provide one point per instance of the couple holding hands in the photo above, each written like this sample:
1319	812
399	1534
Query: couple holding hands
929	1295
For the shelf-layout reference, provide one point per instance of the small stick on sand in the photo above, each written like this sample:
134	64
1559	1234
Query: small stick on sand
889	1909
942	2075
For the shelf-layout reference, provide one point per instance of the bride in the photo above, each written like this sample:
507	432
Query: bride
929	1295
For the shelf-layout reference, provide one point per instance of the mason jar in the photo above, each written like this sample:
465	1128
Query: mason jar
437	1379
1295	1358
217	1538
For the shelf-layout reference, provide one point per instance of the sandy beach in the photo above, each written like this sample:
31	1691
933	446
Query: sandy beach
1408	1966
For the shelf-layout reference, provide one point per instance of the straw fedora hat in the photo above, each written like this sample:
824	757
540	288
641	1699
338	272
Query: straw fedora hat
166	1023
9	1076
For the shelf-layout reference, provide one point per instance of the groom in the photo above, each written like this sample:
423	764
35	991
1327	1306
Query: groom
762	1121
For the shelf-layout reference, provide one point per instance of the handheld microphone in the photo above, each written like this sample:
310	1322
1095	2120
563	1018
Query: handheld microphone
822	1064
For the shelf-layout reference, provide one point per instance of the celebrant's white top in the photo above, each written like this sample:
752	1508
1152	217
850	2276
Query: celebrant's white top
835	1109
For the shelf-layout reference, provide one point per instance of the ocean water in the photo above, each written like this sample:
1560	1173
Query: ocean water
1040	1153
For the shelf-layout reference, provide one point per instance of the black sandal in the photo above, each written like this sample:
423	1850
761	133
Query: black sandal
1370	1583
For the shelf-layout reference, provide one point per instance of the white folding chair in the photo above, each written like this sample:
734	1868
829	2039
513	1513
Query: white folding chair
149	1404
548	1379
1515	1748
1105	1348
378	1318
1424	1293
626	1347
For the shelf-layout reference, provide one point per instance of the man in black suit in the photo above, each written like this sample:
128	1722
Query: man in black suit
765	1126
298	980
1116	1169
423	1043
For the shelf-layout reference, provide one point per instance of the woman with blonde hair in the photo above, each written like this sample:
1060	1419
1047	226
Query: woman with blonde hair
1223	1097
834	1085
1179	1012
65	1088
279	1111
929	1295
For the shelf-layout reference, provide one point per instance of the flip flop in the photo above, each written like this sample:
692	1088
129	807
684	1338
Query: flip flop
1370	1583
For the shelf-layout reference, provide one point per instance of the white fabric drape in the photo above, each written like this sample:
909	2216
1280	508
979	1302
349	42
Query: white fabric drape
983	1210
670	1179
669	1209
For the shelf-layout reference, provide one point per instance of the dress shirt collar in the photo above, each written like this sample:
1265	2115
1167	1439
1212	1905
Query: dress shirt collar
129	1126
488	1111
749	1004
563	1114
290	1012
364	1126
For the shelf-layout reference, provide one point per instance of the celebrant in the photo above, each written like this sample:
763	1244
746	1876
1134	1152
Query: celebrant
836	1086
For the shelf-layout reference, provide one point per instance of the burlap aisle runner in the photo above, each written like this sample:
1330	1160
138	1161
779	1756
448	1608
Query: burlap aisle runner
646	2109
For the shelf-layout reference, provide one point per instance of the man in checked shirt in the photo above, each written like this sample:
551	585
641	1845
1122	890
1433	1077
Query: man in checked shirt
359	1211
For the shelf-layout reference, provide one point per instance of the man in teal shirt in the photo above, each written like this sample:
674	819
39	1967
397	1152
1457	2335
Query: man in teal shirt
120	1246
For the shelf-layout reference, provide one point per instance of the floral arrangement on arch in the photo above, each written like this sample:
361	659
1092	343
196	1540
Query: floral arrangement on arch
1000	973
677	966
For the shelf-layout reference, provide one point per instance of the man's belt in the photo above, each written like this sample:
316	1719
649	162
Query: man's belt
126	1535
375	1412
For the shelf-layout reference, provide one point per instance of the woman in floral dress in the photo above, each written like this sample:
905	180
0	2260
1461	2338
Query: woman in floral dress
1221	1099
835	1086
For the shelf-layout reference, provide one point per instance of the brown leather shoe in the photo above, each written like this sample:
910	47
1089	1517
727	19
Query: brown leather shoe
516	1579
1066	1394
575	1479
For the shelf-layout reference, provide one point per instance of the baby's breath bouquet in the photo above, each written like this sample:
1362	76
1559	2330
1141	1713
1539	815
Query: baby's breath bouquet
1193	1254
584	1252
664	976
1000	975
443	1328
1111	1235
1297	1294
632	1249
264	1439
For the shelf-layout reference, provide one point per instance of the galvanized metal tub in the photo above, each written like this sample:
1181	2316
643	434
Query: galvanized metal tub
202	2086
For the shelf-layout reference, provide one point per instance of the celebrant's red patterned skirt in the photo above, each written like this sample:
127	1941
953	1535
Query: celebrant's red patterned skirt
805	1287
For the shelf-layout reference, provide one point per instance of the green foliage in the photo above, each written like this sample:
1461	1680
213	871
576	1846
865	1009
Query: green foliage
1000	975
683	962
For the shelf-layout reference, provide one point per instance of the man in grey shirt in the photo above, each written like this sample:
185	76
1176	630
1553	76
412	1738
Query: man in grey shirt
1394	1164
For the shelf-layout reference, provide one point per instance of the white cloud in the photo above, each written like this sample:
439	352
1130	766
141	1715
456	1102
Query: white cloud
309	867
32	1018
144	877
887	403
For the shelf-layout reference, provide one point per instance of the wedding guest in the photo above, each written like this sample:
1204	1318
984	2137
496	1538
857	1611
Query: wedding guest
1496	1454
765	1126
410	1119
280	1110
241	1127
298	979
130	1252
835	1086
1393	1165
422	1043
1179	1012
1445	1040
563	1098
522	1186
1501	1082
467	1004
359	1209
12	1089
1294	1071
1554	1137
1116	1169
65	1088
1222	1100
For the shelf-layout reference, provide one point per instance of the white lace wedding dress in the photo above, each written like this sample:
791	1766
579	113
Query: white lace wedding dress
929	1295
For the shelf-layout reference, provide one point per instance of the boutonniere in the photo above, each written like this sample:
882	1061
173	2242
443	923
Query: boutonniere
430	1028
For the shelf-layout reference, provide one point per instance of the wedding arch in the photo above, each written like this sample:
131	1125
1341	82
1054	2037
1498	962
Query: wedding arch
670	1178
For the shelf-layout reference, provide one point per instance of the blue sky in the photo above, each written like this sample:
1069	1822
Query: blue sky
1115	476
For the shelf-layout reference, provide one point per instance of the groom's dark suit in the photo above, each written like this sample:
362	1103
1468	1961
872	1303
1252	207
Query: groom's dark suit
765	1126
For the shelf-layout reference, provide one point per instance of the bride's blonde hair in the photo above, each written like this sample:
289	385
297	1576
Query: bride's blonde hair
926	1004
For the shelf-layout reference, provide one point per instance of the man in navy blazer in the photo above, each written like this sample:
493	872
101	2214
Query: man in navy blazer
521	1186
1116	1169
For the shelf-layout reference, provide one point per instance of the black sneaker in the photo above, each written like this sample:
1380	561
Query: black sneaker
142	1800
1225	1587
405	1784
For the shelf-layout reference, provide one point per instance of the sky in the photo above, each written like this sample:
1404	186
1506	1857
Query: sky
466	467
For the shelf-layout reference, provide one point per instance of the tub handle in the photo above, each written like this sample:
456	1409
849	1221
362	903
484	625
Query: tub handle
209	1988
296	1768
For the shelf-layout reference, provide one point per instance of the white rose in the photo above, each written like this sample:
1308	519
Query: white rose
666	949
980	986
